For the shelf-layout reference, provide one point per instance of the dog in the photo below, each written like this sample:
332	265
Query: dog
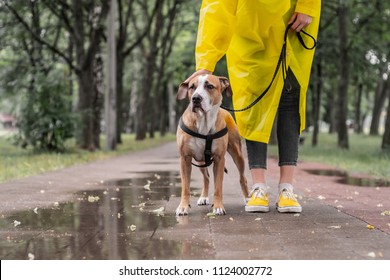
204	119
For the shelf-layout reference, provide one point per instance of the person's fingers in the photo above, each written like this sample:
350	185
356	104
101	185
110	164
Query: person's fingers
293	18
300	21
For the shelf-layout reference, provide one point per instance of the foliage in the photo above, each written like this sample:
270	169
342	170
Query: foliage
364	156
46	121
18	163
64	34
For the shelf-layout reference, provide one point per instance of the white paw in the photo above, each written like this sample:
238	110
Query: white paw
203	200
182	211
219	211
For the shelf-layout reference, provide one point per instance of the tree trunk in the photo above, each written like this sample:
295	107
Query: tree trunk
358	113
171	107
150	54
386	135
380	98
111	98
342	98
317	103
119	95
97	98
84	137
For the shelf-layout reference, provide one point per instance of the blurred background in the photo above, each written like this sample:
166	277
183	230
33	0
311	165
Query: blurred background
76	74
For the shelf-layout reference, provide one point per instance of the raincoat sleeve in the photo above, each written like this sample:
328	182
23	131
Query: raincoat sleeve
309	7
216	27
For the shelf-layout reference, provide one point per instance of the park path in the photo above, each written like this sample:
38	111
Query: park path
123	208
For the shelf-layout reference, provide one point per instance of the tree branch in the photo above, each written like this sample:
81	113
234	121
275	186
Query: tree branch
37	38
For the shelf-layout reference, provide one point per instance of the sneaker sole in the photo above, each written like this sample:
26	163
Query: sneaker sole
256	208
293	209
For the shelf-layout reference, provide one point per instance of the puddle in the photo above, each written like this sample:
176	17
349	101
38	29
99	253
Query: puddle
350	180
327	172
116	223
364	182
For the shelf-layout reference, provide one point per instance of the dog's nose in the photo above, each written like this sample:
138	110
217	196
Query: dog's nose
196	98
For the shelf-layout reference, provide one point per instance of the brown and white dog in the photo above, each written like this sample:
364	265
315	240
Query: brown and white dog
204	116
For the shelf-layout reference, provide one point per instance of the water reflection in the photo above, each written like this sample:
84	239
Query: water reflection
350	180
116	223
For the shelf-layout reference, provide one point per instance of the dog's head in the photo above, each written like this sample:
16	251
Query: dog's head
204	92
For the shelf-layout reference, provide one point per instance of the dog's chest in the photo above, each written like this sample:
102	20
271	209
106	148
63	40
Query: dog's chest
197	146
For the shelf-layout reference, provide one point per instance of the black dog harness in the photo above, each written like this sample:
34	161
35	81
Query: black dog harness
209	141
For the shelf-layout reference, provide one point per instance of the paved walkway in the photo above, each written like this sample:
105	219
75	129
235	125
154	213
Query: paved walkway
123	208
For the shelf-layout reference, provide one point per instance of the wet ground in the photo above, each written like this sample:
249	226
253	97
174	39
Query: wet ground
123	208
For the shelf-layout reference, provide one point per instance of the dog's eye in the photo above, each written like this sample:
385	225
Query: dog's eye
209	86
192	87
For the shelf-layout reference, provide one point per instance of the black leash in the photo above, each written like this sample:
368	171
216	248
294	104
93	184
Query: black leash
281	62
209	141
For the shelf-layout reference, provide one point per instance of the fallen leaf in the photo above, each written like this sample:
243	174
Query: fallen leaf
36	210
158	177
92	198
297	215
211	215
371	255
31	256
147	186
370	227
16	223
258	219
320	197
159	211
336	227
231	219
385	213
133	227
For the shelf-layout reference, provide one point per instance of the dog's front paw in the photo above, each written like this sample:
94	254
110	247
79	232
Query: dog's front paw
219	211
182	210
203	200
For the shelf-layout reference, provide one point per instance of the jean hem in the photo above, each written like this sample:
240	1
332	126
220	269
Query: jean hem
287	163
257	167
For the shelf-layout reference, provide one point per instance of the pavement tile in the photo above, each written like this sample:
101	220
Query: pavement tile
59	218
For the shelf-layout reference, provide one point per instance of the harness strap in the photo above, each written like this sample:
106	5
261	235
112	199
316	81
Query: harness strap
209	141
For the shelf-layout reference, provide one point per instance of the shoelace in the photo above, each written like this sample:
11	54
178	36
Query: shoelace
288	194
258	192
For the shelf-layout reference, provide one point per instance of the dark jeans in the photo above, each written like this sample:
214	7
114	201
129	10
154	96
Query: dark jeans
288	125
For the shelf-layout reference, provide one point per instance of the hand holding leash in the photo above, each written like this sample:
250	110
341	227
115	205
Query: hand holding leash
299	21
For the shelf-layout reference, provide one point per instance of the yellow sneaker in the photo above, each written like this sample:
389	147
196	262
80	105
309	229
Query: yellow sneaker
287	202
258	201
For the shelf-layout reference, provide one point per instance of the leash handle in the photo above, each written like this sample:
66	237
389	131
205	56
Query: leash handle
281	61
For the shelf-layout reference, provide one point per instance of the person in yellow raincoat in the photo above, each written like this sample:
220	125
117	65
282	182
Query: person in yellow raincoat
251	34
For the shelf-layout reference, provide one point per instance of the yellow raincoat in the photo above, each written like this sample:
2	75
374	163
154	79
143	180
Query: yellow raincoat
250	33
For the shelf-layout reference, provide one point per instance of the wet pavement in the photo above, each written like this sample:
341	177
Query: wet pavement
123	208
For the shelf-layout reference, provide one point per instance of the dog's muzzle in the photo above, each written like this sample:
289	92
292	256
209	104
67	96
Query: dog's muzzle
196	102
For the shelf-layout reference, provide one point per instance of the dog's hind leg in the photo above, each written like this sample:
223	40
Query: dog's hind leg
204	197
235	151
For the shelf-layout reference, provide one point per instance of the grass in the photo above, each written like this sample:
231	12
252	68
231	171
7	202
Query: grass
364	155
16	163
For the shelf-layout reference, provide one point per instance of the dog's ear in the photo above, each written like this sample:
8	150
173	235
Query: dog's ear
226	86
182	91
